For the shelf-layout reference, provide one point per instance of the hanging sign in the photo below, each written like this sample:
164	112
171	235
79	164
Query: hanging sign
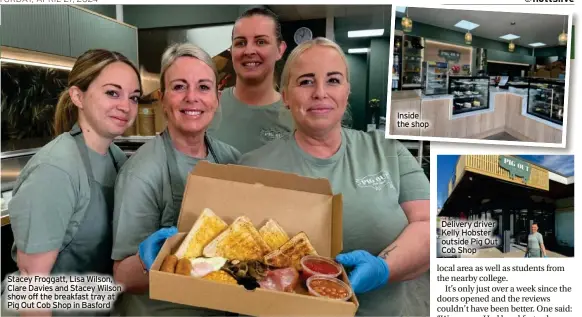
515	167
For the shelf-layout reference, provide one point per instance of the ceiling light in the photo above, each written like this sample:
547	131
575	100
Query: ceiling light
16	61
509	37
406	24
468	38
466	25
363	33
358	50
401	9
538	44
563	37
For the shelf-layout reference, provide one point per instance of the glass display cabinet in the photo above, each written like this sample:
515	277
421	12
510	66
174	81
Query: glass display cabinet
470	93
412	56
546	99
434	78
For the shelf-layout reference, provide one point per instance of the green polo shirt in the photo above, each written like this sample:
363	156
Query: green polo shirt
247	127
374	175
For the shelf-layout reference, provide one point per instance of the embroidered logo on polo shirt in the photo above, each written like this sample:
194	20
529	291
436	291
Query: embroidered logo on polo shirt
376	181
271	134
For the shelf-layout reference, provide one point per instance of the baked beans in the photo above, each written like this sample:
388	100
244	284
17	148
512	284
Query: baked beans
329	289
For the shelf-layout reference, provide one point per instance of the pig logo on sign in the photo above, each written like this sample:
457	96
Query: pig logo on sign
515	168
376	181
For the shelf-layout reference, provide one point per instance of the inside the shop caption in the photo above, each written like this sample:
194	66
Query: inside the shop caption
411	120
61	293
466	237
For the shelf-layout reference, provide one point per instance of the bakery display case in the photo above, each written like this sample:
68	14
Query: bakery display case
434	78
412	57
546	99
470	93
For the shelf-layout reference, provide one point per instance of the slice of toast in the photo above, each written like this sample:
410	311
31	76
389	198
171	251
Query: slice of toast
273	234
207	227
290	253
241	241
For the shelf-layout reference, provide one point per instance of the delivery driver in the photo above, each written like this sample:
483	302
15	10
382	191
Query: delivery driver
251	113
535	244
149	189
62	203
386	194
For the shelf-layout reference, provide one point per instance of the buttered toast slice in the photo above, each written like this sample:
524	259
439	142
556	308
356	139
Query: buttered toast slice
207	227
241	241
273	234
290	253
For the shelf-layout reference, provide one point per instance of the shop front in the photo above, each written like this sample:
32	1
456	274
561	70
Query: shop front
463	80
515	193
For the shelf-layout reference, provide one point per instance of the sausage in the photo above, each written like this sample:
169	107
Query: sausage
184	267
169	264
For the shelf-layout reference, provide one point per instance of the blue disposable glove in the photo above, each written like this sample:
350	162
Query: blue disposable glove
150	247
370	272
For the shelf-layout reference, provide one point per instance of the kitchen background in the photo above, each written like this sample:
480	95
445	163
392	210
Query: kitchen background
39	45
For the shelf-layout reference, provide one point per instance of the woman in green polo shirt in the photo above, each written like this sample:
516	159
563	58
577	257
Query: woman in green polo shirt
385	191
62	204
250	113
150	187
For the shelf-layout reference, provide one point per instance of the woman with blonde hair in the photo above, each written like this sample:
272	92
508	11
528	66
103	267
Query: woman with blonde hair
385	192
62	204
150	187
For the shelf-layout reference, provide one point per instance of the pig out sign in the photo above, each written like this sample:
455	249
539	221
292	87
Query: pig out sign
515	167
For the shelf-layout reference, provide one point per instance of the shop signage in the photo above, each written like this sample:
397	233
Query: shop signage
450	55
515	167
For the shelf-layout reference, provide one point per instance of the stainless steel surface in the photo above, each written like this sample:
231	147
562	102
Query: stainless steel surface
25	152
11	168
133	139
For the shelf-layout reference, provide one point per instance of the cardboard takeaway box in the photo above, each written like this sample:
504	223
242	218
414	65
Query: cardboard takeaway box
296	203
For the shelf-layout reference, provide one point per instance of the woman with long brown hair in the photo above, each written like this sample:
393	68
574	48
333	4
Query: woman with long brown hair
62	205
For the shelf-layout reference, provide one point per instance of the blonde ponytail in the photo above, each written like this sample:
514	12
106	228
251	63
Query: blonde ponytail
65	114
87	67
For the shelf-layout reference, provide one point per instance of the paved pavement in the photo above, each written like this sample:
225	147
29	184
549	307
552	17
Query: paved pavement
517	251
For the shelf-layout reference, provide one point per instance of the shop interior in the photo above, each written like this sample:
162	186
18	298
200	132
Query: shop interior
35	66
480	74
515	207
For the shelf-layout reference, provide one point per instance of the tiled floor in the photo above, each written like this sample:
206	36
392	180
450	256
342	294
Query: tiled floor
516	252
503	136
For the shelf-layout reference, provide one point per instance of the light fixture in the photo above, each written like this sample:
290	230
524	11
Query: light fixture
401	9
358	50
16	61
509	37
466	25
468	37
563	37
406	23
364	33
537	44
